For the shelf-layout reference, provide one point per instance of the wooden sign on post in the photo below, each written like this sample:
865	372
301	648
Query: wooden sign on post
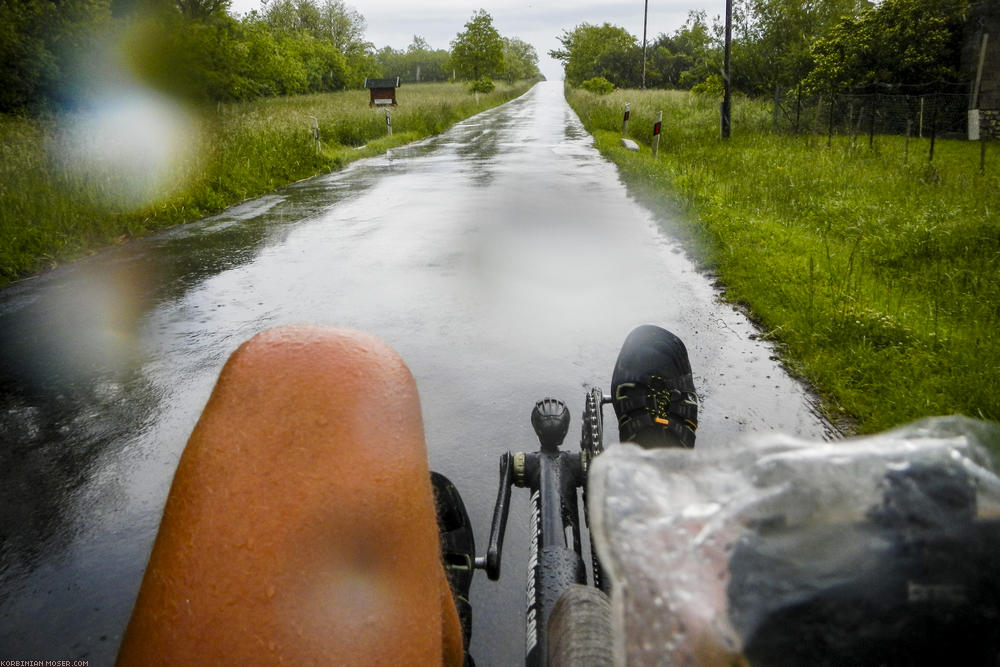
383	91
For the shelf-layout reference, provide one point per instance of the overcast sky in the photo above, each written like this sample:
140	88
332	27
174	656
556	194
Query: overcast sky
538	22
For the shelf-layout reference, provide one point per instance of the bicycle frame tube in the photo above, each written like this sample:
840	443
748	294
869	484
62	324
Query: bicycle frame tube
553	477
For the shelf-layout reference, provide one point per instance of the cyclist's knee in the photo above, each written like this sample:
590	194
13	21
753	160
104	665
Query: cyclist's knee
301	509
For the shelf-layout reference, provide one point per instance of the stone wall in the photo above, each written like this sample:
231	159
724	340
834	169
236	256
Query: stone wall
989	123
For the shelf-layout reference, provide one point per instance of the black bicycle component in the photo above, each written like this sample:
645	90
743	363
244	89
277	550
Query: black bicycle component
656	405
550	419
458	548
491	561
592	444
553	477
592	433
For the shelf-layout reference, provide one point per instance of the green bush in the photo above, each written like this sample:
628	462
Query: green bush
483	84
598	85
710	87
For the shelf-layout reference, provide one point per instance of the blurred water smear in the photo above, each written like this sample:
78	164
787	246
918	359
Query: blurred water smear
130	148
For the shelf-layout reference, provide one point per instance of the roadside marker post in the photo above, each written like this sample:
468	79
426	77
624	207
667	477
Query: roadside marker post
656	133
625	122
388	122
315	133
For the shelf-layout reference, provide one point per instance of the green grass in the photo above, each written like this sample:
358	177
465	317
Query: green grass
877	271
59	199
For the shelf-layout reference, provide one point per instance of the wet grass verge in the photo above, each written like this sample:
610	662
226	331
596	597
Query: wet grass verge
876	270
78	182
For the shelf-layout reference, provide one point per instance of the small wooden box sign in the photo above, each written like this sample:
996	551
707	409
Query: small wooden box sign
383	91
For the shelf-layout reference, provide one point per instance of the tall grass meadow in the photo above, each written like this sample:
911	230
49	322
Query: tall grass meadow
875	269
76	182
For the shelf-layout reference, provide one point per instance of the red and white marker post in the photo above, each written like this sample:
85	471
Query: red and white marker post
656	133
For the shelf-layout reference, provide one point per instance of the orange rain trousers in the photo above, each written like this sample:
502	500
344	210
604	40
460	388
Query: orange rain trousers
300	527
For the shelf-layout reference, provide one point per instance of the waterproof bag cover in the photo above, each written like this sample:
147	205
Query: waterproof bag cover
882	550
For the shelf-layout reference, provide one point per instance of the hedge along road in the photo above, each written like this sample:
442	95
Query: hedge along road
502	259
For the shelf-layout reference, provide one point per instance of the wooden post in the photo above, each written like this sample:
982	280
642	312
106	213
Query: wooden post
982	153
920	119
656	133
645	15
777	103
871	124
798	108
975	132
906	148
625	122
930	157
829	136
974	102
315	133
727	100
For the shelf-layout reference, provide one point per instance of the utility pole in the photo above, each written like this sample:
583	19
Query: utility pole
645	15
727	102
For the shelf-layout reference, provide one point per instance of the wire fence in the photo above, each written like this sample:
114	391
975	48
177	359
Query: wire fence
944	115
869	115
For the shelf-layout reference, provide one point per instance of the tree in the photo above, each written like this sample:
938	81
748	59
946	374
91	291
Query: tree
51	49
520	60
901	42
45	49
331	22
598	51
341	25
420	62
425	63
688	57
477	52
773	39
418	44
202	9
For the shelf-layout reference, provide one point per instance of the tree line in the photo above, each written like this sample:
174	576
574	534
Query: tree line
819	45
478	51
59	54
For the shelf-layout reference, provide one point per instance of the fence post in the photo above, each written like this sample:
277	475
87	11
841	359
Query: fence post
871	124
798	107
656	133
777	103
906	147
934	110
315	133
920	120
982	153
829	136
625	122
974	101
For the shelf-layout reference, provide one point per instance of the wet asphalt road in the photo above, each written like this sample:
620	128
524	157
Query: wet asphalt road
503	259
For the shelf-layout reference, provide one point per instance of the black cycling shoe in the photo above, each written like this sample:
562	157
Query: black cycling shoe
458	551
653	391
